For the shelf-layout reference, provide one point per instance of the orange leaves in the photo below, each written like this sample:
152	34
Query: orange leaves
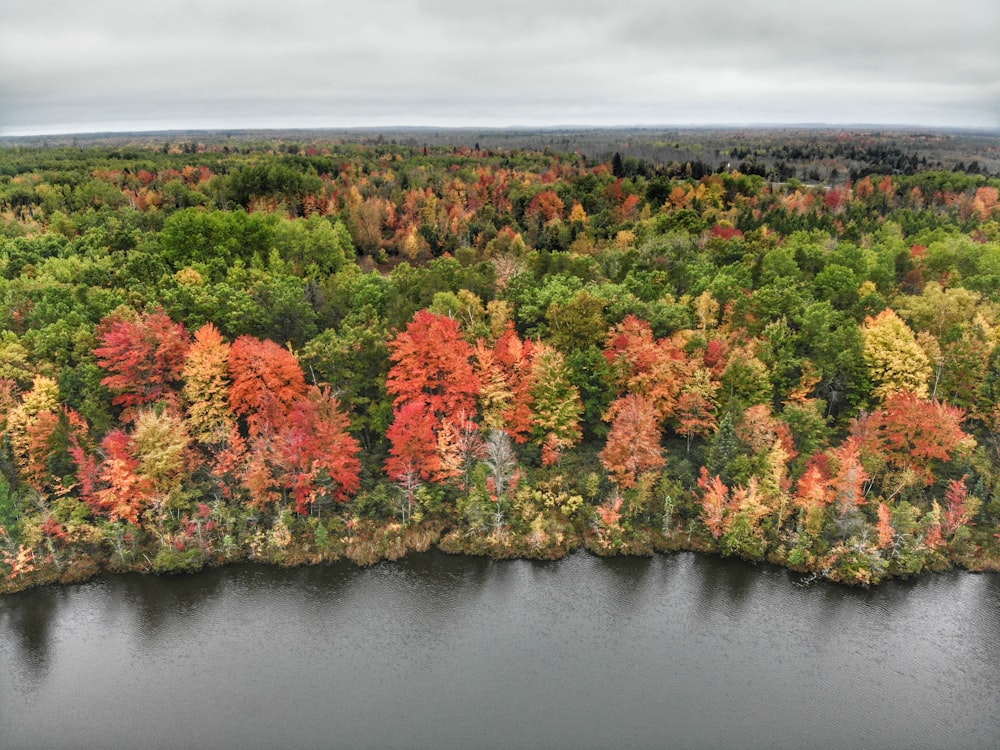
814	489
19	558
506	379
433	365
911	433
849	478
267	381
714	502
610	511
655	368
886	534
124	492
547	205
633	445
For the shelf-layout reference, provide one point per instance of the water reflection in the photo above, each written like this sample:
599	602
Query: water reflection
27	622
439	651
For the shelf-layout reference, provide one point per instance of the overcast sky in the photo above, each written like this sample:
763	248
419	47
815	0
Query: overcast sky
97	65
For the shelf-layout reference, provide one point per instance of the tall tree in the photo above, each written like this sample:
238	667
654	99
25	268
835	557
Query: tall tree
557	404
267	382
433	366
206	387
145	359
895	361
633	445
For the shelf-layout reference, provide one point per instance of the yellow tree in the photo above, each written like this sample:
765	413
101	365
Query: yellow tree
556	403
896	362
206	387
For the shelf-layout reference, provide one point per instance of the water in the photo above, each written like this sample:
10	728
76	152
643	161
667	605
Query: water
442	652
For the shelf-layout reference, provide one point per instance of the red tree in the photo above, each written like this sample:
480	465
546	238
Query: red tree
433	365
317	454
145	359
267	382
413	453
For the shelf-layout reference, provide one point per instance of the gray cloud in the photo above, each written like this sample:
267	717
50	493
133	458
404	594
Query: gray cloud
118	64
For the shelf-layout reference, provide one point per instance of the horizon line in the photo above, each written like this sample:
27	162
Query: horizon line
568	127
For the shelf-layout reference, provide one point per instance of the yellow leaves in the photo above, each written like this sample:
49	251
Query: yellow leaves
206	386
189	277
896	362
161	445
43	397
707	310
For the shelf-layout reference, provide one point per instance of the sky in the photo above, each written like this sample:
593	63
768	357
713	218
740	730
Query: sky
68	66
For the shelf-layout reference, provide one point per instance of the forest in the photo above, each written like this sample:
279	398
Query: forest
296	349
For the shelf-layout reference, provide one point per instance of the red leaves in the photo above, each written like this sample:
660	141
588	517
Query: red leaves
317	454
912	433
145	359
433	381
267	381
414	446
956	511
433	365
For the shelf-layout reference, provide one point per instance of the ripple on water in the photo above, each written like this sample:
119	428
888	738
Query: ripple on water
439	651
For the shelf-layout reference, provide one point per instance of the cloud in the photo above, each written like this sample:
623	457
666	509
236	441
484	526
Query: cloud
247	63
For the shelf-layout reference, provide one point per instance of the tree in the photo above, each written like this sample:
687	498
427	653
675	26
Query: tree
413	454
316	456
696	406
123	492
267	382
432	366
206	387
895	361
556	402
655	368
958	509
912	434
633	444
506	376
161	445
849	478
886	534
145	359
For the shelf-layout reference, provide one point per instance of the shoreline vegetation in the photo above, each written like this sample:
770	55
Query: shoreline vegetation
373	543
775	346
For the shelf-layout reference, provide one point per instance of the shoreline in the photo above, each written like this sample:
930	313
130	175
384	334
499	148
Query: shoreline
389	542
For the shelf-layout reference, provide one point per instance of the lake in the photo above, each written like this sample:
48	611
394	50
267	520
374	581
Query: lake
680	651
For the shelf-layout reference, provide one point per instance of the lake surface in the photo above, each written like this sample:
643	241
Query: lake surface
446	652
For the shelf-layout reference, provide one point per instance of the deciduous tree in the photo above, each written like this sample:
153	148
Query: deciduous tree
145	359
633	444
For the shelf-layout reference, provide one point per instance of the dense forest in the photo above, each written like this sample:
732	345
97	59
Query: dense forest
295	350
